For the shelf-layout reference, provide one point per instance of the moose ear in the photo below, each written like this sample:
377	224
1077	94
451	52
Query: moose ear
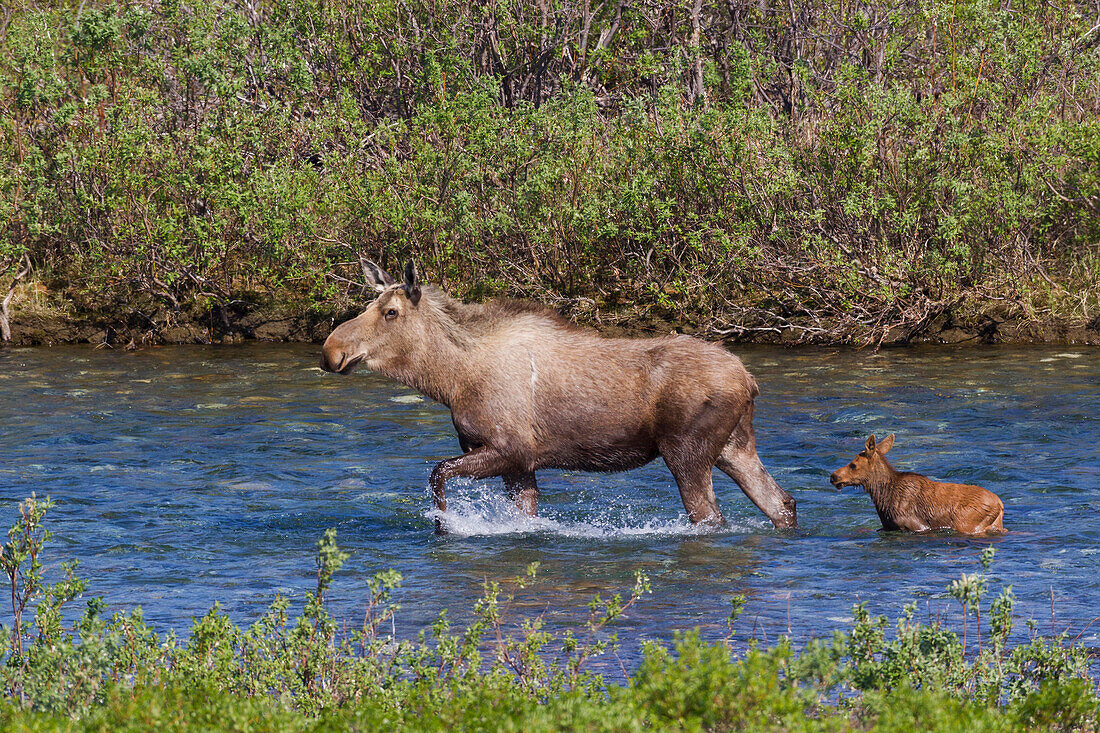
374	276
412	283
870	445
886	444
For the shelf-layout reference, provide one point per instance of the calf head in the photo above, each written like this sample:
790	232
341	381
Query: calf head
387	334
863	465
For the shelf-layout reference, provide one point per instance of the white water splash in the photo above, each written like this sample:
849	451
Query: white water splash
482	511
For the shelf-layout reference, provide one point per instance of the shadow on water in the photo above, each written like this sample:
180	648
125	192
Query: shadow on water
186	475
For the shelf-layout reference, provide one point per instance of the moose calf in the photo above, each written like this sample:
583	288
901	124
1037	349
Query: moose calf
915	503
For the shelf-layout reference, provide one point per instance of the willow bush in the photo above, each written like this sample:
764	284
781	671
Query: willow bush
839	170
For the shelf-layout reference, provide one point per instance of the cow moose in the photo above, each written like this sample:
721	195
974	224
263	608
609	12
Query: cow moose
528	390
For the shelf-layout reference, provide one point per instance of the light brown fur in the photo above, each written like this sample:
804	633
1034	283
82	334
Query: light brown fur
915	503
528	390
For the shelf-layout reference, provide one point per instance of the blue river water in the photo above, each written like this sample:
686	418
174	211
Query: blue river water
189	475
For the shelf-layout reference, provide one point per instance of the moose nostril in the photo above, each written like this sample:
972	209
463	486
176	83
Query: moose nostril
328	363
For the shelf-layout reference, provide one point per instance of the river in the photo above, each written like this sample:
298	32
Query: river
189	475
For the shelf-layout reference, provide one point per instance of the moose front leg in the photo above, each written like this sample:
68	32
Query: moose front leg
750	474
479	463
740	462
523	490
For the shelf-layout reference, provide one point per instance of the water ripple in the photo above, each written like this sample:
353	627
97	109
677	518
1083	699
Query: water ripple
186	475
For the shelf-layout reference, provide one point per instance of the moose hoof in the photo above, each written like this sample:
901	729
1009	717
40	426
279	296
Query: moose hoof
788	519
440	529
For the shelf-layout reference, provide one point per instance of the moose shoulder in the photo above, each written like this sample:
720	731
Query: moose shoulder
528	390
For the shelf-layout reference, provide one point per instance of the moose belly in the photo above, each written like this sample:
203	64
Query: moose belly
607	450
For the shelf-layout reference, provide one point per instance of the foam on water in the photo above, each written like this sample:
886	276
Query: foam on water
477	510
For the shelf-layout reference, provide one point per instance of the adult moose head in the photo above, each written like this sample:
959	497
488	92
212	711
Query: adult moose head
528	390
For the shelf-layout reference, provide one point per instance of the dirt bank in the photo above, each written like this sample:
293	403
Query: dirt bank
39	326
48	328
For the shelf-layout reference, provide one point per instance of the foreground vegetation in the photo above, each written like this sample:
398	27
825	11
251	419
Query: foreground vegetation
309	672
841	170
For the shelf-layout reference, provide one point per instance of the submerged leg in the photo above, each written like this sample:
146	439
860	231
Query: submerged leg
523	490
481	462
696	489
741	463
758	485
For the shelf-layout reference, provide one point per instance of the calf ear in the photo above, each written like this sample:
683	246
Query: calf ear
870	445
886	444
374	276
412	283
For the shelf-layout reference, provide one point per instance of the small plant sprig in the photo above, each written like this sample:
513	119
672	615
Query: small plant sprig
524	654
20	558
601	613
737	607
968	590
380	605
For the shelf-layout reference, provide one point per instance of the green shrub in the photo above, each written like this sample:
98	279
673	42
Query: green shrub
503	673
837	173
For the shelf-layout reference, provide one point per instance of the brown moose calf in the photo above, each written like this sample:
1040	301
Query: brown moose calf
915	503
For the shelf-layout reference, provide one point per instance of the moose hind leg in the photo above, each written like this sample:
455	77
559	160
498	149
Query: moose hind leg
744	466
523	490
696	488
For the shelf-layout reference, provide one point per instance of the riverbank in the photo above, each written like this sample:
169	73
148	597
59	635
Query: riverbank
39	326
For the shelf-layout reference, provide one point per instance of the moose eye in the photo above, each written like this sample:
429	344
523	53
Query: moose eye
391	314
852	464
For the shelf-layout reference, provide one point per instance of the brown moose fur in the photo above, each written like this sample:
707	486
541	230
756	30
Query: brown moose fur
916	503
528	390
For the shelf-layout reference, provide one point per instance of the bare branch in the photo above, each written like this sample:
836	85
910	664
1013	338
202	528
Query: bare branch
5	316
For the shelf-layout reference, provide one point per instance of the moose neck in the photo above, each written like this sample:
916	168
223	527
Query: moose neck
438	364
879	481
433	371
